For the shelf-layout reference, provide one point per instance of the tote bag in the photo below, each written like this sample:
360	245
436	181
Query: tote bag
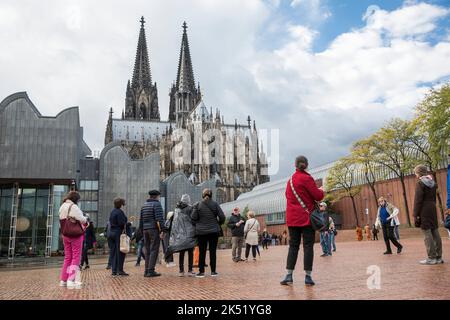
124	242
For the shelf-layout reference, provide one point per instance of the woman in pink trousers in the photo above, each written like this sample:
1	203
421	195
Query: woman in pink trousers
72	246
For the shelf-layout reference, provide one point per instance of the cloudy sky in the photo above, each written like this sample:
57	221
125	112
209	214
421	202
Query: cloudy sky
324	72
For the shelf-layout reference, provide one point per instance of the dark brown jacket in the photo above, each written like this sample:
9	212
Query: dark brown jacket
425	205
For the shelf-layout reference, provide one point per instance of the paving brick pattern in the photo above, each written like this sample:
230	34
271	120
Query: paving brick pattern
342	276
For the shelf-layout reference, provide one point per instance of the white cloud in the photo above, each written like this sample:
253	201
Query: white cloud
363	78
79	53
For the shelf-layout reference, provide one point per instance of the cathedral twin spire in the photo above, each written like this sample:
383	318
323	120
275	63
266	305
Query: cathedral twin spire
141	102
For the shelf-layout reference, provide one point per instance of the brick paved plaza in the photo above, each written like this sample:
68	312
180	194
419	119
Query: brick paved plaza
342	276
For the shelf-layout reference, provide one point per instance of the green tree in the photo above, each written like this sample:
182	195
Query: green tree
341	181
391	149
363	153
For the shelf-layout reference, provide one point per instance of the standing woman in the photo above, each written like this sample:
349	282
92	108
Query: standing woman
208	218
117	223
302	187
425	214
251	230
72	245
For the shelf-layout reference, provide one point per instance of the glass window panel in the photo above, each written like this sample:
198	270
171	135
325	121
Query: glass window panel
94	185
82	185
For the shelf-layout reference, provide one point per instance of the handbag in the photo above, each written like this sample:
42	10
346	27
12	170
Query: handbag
70	227
124	242
316	218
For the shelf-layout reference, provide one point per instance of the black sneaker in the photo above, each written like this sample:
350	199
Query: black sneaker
200	275
87	267
152	274
123	273
114	274
287	280
108	267
324	255
399	249
309	281
214	274
388	252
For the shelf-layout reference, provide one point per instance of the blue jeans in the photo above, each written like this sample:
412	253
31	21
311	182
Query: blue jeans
325	242
332	241
140	254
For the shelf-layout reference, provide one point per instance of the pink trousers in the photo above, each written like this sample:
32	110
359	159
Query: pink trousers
72	257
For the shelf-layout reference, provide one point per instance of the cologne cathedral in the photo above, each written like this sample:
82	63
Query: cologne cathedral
233	156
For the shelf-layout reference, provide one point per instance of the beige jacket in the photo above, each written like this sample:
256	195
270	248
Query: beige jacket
252	226
75	212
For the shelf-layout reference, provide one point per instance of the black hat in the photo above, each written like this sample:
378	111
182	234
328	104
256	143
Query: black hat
154	193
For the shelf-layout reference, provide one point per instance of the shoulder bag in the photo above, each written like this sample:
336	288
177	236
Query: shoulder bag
316	218
248	230
70	227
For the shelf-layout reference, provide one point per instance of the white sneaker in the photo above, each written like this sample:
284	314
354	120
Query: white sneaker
74	284
428	261
171	264
181	274
63	283
439	261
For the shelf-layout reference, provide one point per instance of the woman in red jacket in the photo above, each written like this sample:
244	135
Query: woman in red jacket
297	219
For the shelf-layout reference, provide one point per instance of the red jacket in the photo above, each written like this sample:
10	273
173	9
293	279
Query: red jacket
307	190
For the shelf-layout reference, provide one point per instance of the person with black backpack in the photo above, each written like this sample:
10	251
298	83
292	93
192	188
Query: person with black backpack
208	218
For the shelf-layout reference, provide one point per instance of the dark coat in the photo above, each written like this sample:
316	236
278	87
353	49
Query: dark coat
151	214
117	220
236	231
425	206
207	220
89	237
182	234
307	190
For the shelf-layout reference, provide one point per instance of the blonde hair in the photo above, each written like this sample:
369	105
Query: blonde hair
251	214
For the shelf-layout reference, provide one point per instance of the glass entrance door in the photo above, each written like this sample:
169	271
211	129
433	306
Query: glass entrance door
32	221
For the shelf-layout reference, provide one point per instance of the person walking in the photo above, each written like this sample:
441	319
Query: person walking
387	211
251	230
139	238
152	223
302	187
208	218
265	239
236	224
72	245
425	215
325	240
284	236
375	232
118	224
182	235
88	244
332	233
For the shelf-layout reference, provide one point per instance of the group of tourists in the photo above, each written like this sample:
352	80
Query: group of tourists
302	195
199	225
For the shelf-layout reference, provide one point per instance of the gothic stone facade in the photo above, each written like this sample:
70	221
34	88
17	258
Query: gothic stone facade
229	153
